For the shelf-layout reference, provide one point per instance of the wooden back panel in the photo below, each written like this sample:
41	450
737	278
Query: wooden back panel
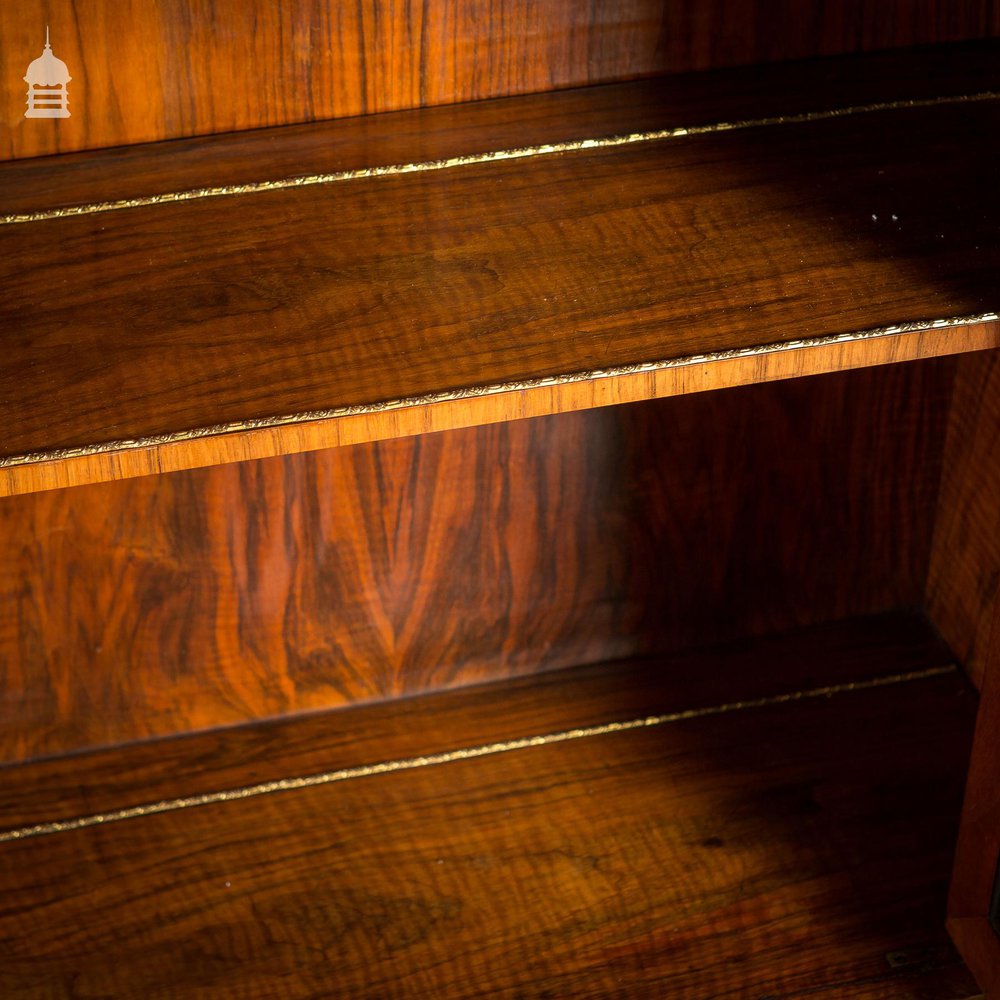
146	70
184	601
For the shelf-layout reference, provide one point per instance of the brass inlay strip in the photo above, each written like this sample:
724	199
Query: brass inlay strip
465	753
492	389
491	156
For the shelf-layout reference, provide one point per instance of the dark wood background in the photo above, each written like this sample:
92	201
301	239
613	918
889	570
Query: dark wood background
158	69
170	603
964	578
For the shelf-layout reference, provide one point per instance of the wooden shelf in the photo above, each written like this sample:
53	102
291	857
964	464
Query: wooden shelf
274	321
669	699
790	846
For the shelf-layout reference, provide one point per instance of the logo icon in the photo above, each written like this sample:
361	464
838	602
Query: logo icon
46	78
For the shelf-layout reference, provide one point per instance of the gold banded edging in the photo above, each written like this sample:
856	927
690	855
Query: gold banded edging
464	753
476	391
491	156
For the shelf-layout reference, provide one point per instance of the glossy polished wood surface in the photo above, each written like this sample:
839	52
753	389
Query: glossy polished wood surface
964	578
977	857
841	652
160	69
800	849
246	308
207	598
441	133
479	410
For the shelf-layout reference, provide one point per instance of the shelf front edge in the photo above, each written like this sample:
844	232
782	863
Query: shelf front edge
491	404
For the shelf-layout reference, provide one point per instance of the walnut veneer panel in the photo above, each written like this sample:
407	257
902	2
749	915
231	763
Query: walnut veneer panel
223	312
197	599
965	566
978	851
441	133
108	780
794	850
159	69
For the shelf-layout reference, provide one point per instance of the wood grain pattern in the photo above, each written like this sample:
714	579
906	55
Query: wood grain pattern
964	599
978	853
787	852
100	781
170	68
427	418
442	133
206	598
964	575
238	309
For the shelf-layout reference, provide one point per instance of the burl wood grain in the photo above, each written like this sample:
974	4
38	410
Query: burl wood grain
158	70
184	316
841	652
206	598
965	563
795	851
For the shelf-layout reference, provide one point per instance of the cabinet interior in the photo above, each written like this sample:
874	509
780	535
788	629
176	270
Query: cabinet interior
529	531
431	562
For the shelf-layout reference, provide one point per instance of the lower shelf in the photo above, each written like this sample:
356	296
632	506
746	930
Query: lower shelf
769	820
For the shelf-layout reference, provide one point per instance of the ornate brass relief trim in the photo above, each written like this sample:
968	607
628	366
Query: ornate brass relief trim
492	156
493	389
465	753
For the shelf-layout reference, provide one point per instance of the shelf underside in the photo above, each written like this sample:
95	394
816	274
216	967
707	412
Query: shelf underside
192	332
799	847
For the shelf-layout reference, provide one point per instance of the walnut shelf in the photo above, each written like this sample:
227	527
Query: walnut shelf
632	863
262	456
255	324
